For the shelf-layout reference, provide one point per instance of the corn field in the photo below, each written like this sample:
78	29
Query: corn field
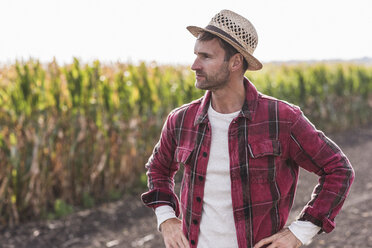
77	135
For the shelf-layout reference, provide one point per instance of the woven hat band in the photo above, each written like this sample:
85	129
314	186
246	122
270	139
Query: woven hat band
221	32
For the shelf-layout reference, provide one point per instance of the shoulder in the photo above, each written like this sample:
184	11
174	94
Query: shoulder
286	110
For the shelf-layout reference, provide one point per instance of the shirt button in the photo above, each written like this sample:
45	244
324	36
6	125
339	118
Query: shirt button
198	199
192	242
201	178
205	154
195	222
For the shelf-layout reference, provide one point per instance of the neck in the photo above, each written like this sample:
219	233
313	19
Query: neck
230	98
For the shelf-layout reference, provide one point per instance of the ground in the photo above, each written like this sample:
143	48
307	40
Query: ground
128	224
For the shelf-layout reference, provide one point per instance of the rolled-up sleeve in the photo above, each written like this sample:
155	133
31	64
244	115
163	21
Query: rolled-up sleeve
315	152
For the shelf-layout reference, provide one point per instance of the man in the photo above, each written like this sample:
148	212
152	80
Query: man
241	152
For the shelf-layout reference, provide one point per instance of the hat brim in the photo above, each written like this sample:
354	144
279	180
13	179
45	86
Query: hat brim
253	63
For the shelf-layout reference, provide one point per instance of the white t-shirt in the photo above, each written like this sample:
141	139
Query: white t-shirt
217	227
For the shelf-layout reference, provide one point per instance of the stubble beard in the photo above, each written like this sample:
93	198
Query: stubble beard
213	82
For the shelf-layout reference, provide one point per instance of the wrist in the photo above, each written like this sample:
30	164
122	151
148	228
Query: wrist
164	213
169	223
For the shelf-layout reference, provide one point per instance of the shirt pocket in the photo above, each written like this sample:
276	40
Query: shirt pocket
262	174
263	155
182	156
264	148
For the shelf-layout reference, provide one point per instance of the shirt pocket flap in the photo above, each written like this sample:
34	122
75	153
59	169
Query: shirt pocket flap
265	148
182	155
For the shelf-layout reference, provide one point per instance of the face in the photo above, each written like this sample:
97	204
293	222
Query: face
212	72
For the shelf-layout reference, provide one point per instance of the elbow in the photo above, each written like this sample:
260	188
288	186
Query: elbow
351	174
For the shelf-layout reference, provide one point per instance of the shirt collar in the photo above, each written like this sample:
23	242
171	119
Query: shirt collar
248	108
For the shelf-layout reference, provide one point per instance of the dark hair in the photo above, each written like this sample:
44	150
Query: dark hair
229	49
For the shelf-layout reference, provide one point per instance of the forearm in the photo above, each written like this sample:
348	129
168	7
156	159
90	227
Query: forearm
313	151
161	169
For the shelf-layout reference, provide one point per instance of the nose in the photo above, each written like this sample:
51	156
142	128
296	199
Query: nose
196	65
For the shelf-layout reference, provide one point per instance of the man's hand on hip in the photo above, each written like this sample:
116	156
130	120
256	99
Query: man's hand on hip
283	239
173	235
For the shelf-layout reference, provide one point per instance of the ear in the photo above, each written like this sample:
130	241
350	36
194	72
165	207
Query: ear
236	62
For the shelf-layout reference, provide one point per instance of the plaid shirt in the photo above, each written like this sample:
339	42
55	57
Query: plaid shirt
268	142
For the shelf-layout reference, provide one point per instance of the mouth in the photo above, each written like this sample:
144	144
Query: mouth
199	76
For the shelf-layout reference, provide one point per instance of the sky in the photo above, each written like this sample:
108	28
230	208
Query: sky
148	30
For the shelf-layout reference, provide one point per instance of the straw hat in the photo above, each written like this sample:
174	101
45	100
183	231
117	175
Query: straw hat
235	30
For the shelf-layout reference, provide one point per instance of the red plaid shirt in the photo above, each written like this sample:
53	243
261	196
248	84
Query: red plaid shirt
268	142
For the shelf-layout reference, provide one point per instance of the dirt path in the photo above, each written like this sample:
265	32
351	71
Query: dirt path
128	224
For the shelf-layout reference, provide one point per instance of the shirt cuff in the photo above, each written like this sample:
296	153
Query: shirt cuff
304	230
164	213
